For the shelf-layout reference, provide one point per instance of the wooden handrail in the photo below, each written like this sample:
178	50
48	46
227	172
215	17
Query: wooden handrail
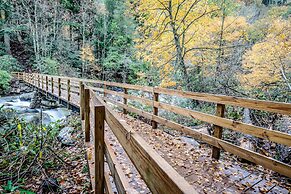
270	106
217	120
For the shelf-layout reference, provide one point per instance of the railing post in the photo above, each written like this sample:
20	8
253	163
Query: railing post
38	80
59	89
125	100
217	130
155	109
42	82
87	114
69	92
52	84
81	87
104	93
99	148
46	85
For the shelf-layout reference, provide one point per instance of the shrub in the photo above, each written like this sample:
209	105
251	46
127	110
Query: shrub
9	63
4	81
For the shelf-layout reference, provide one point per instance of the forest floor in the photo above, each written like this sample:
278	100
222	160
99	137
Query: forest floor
194	163
63	169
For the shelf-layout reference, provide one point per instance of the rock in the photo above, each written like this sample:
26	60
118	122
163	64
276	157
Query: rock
190	140
8	104
27	96
65	136
35	118
49	104
36	100
50	185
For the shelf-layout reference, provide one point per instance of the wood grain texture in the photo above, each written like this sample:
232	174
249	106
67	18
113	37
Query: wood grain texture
251	156
99	148
276	107
156	172
118	175
217	130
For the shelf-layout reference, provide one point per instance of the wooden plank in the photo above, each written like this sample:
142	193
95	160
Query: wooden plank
52	84
130	86
59	88
275	136
217	130
156	172
87	114
46	85
82	87
99	146
125	100
276	107
155	109
120	180
108	187
251	156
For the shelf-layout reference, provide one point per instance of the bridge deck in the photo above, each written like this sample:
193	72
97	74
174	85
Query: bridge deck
195	164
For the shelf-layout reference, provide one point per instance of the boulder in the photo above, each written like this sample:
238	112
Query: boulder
36	100
49	104
65	136
27	96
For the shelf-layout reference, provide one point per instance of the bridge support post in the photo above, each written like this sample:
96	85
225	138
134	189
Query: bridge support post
42	82
125	100
38	80
104	93
87	114
59	89
99	148
81	87
155	109
52	84
46	85
217	130
69	92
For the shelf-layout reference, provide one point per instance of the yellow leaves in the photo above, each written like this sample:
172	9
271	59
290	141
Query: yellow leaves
87	54
165	72
19	128
264	62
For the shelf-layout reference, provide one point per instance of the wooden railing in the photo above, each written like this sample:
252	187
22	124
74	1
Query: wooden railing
74	86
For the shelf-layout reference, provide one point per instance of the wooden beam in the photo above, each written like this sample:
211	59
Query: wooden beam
271	135
217	130
125	100
52	85
156	172
82	88
118	175
87	114
108	187
68	92
99	148
155	109
267	162
276	107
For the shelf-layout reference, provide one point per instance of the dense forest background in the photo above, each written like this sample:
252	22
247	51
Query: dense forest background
239	48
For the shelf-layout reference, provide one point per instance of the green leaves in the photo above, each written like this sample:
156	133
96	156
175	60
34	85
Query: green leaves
9	187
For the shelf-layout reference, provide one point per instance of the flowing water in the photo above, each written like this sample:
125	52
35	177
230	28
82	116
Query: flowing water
22	108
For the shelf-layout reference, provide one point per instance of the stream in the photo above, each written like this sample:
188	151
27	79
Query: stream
21	104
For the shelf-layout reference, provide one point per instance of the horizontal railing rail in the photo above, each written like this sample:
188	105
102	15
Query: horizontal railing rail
218	120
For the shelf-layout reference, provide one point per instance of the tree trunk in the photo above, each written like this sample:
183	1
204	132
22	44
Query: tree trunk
6	35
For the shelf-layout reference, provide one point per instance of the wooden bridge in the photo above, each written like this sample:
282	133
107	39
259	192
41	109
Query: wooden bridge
94	99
